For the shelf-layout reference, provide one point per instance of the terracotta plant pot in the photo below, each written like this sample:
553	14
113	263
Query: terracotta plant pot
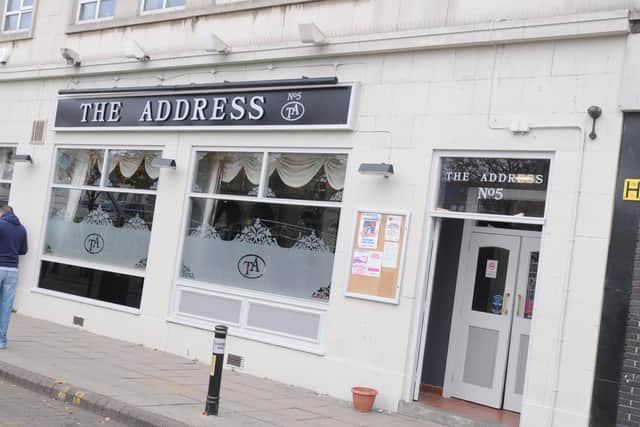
363	398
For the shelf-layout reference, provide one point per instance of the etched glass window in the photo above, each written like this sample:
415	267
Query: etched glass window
101	212
258	240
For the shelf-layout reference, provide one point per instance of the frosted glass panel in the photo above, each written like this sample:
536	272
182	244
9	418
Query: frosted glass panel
273	248
285	321
210	306
480	359
522	363
102	227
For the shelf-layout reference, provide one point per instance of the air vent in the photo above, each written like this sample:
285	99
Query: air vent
37	131
235	360
79	321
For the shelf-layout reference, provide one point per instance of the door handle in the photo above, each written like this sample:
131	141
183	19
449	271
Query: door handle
505	309
518	311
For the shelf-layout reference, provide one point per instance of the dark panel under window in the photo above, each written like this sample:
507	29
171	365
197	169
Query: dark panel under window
100	285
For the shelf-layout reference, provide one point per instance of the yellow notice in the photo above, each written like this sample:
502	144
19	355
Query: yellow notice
213	366
631	189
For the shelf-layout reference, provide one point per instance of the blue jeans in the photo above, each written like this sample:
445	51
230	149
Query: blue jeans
8	285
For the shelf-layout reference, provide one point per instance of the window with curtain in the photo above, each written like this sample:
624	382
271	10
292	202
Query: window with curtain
91	10
100	212
6	173
265	222
18	15
151	5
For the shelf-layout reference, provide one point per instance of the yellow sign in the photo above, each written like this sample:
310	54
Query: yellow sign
631	189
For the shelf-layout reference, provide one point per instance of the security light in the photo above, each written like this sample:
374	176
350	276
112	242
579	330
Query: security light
19	158
71	56
384	169
134	51
310	33
213	43
4	55
163	163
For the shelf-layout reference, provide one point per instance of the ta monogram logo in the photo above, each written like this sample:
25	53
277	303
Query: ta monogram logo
631	189
94	243
293	110
251	266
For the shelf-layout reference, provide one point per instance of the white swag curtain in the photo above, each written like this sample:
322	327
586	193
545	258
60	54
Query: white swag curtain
78	163
295	170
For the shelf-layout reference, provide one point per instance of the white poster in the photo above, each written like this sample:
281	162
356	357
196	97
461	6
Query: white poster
369	231
374	264
390	255
359	263
392	232
491	272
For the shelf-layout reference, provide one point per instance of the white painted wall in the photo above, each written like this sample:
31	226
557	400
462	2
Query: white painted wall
411	104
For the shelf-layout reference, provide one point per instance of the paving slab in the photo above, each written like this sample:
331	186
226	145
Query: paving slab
140	386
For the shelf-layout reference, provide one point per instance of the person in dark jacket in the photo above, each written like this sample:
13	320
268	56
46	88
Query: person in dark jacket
13	242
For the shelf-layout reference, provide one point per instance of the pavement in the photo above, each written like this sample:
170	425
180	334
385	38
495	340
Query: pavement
138	386
23	408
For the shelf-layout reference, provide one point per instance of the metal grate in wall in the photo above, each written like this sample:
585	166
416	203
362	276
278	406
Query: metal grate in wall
38	130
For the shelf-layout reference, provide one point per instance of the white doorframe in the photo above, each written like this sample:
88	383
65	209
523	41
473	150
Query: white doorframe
417	339
433	251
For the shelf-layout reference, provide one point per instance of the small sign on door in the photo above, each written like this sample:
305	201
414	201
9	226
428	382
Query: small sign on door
491	272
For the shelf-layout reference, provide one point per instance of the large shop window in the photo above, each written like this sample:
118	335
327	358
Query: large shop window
99	224
264	226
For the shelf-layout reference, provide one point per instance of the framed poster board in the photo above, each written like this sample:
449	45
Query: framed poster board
377	255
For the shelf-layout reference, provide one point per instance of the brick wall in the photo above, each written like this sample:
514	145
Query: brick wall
629	396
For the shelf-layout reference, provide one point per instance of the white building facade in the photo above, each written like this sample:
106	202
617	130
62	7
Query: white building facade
262	223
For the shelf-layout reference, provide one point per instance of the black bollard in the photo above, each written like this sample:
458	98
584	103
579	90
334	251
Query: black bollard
215	373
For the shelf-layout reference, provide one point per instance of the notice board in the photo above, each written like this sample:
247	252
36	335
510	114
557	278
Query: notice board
377	255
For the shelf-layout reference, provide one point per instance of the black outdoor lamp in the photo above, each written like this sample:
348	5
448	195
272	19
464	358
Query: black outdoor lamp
163	163
382	169
594	112
22	158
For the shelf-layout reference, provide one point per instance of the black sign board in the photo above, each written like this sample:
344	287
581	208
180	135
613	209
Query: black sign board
184	107
499	186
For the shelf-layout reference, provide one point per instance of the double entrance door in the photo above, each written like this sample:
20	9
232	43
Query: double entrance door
492	316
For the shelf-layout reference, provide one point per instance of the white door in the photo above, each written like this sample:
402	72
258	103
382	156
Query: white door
521	327
481	322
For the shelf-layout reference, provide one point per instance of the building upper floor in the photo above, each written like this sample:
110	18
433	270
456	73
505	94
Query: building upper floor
32	32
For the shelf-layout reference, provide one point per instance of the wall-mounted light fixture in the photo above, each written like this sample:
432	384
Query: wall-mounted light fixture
163	163
311	33
594	112
133	50
213	43
383	169
22	158
71	56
